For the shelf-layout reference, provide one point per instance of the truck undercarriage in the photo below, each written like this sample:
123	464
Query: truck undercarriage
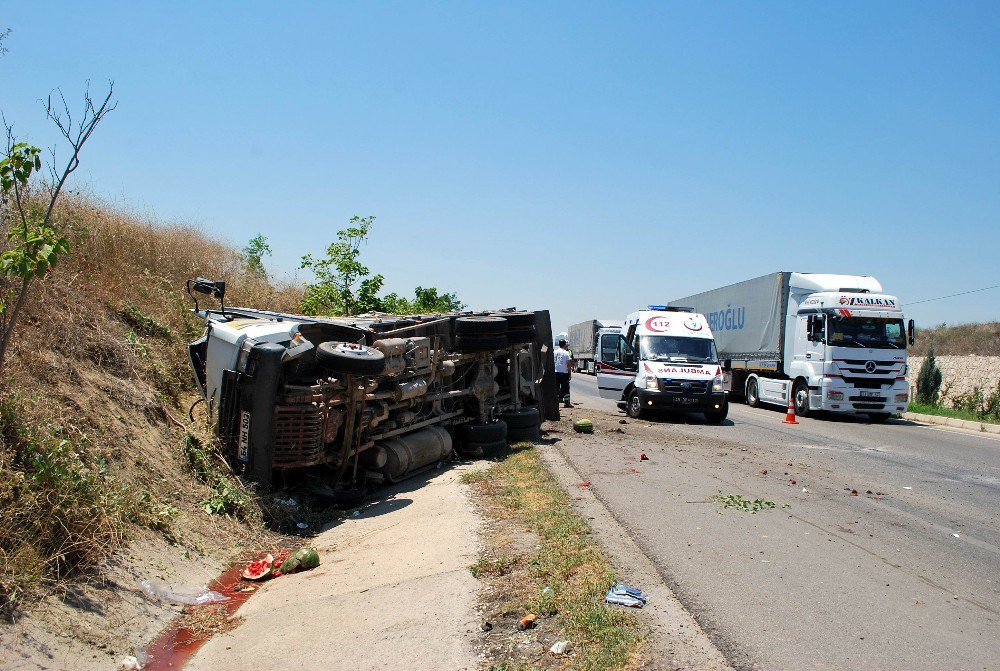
344	402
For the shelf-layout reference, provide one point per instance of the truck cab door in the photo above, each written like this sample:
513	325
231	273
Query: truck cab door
615	373
810	346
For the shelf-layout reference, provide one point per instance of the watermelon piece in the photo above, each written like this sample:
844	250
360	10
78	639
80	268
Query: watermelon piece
260	569
303	559
583	426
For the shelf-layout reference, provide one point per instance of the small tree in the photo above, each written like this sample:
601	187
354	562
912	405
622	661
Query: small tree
254	253
929	380
34	243
343	285
426	299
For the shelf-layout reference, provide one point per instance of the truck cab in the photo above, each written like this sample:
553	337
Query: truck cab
848	352
664	358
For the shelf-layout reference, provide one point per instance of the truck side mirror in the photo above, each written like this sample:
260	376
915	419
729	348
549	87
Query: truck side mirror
910	331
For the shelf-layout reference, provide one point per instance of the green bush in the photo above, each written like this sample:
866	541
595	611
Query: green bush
929	380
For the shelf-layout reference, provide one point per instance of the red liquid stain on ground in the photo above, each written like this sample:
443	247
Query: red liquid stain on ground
176	645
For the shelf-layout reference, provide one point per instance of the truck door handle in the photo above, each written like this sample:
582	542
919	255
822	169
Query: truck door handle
809	355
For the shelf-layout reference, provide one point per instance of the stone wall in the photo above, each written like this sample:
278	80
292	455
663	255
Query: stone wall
960	374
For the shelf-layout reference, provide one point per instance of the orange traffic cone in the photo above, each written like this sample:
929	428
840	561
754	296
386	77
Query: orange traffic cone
790	415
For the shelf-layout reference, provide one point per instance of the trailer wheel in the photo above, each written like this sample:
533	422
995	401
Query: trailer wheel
753	396
480	343
485	326
800	392
634	407
341	357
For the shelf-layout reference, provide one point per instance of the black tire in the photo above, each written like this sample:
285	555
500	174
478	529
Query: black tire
522	418
523	434
521	336
342	357
753	395
633	406
480	343
489	450
480	326
800	393
717	416
878	417
483	433
517	321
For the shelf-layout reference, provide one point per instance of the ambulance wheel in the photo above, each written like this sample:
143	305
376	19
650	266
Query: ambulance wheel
753	396
634	407
800	392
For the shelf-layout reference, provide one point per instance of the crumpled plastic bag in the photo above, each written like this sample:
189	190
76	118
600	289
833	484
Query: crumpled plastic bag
189	596
624	595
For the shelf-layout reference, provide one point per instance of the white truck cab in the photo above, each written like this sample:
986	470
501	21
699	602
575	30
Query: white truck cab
665	359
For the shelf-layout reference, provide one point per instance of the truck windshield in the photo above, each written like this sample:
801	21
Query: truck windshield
867	332
677	348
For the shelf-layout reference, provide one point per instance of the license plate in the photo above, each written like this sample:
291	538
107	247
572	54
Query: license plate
244	448
870	393
683	400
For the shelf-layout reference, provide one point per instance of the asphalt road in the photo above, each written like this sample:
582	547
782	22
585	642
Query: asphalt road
903	575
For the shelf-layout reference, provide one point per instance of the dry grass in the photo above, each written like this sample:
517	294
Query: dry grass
982	339
521	498
98	378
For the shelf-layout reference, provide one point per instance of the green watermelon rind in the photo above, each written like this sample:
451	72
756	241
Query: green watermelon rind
583	426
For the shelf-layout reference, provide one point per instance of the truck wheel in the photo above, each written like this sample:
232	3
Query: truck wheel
878	417
483	433
753	396
342	357
800	392
521	418
517	321
634	407
521	336
526	433
717	416
480	326
480	343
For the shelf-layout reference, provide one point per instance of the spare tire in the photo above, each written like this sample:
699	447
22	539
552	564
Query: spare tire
521	336
480	343
521	418
341	357
485	326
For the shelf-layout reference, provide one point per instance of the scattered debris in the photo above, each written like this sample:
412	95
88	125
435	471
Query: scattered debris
907	487
302	525
764	472
617	430
527	622
854	492
792	481
189	596
583	426
622	421
585	483
303	559
486	626
356	513
561	647
290	502
742	503
956	535
547	591
805	490
643	457
130	663
624	595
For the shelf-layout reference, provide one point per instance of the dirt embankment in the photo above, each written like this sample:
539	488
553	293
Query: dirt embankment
105	479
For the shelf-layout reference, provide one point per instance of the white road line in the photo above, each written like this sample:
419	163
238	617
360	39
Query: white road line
962	432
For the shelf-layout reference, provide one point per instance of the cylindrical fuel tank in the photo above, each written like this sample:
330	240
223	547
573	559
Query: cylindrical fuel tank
409	453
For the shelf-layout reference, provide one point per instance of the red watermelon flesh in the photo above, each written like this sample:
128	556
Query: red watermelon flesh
260	569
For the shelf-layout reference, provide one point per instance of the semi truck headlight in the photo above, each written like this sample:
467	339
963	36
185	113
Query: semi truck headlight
902	398
835	395
718	383
652	383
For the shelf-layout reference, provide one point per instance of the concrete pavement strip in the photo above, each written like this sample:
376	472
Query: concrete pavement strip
676	635
393	591
978	427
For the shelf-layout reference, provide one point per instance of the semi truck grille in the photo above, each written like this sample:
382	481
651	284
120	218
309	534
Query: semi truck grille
298	436
867	383
869	406
868	399
684	386
229	408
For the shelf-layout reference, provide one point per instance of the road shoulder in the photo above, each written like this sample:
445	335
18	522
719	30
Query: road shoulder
676	637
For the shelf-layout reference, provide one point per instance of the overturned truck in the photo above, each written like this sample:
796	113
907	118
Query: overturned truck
344	402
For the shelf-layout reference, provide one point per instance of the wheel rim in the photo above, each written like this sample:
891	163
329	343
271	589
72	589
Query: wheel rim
752	393
633	404
802	398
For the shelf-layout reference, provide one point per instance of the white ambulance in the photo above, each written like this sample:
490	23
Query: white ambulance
665	359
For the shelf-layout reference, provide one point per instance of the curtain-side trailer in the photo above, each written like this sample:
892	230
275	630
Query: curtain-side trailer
585	340
830	342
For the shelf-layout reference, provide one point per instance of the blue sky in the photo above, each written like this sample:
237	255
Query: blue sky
587	158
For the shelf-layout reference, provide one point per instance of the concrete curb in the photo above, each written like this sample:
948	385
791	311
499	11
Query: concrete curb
980	427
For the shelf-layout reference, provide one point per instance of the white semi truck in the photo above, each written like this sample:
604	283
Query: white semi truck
585	342
665	358
830	342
